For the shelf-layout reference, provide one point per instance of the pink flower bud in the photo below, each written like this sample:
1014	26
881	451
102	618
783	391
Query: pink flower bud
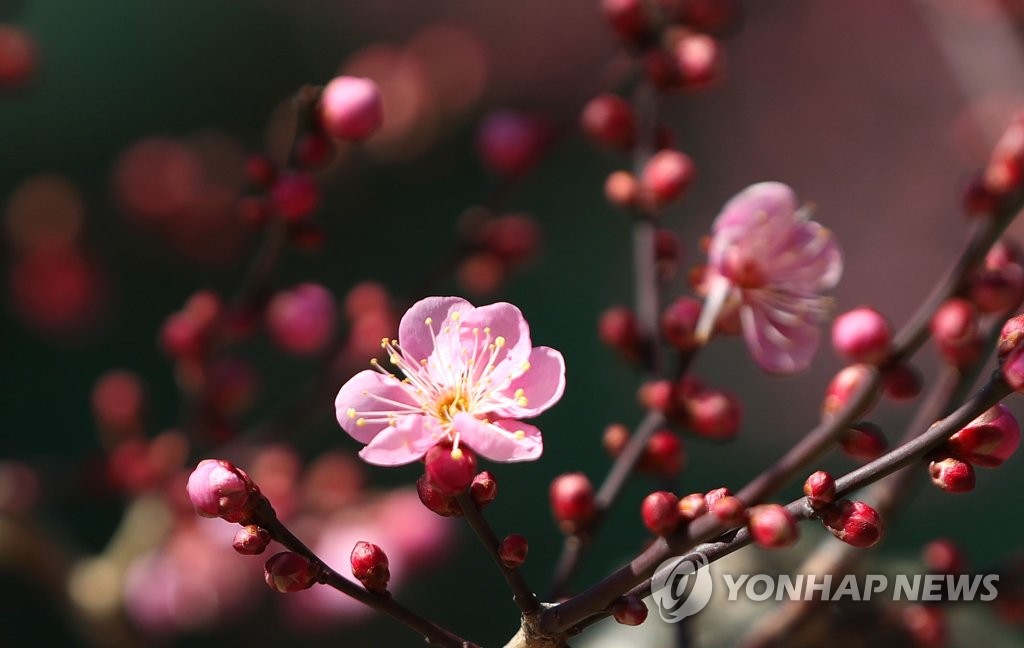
1010	336
714	414
660	512
435	499
628	19
855	523
289	572
301	320
629	610
294	196
617	328
692	507
218	489
988	440
251	540
260	170
615	438
572	501
942	556
729	510
608	119
862	335
955	330
484	489
621	189
510	143
772	526
656	395
679	322
979	200
864	441
513	238
1005	169
451	470
512	550
843	387
370	566
820	489
712	496
663	455
351	108
1013	369
952	475
18	57
902	382
698	59
481	273
667	175
998	285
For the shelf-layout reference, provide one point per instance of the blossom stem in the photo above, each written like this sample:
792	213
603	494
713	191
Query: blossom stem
645	276
521	592
431	632
634	578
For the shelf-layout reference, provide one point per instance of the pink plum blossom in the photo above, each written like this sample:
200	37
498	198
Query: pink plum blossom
769	260
468	375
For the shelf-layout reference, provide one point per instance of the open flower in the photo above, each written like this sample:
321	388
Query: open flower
463	375
769	260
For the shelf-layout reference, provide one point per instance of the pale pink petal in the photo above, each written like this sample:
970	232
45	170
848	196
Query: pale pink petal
404	443
506	321
542	385
506	441
370	391
776	347
414	334
773	200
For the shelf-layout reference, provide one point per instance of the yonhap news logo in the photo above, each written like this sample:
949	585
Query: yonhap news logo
682	587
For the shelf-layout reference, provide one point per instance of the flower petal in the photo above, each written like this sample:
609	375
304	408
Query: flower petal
506	321
506	441
773	200
404	443
779	348
366	392
415	335
542	384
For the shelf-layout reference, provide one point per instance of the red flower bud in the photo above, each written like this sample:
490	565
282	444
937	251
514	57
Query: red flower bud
218	489
484	489
820	489
862	335
370	566
663	455
729	510
436	500
1011	335
572	501
512	550
260	170
692	507
251	540
510	143
864	441
902	382
295	196
843	386
629	19
451	470
855	523
608	120
714	414
351	108
1013	369
629	610
952	475
660	512
942	556
772	526
617	328
667	175
656	395
955	330
712	496
679	321
988	440
615	438
289	572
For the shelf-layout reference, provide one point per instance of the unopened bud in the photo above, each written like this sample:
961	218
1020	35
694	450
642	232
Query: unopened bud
484	489
729	510
572	501
370	566
436	500
289	572
855	523
663	455
615	438
513	549
862	335
864	441
251	540
629	610
952	475
843	386
219	489
942	556
902	382
772	526
1011	335
692	507
820	489
988	440
660	512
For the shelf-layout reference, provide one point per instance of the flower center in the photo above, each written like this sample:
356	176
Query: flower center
742	269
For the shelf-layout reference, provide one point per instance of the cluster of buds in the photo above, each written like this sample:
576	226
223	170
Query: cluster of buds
987	441
663	513
348	109
707	412
450	472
